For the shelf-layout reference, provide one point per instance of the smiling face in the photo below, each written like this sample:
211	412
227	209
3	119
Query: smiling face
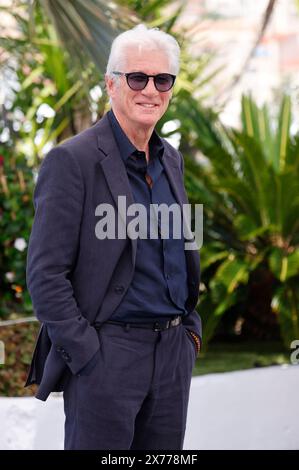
144	108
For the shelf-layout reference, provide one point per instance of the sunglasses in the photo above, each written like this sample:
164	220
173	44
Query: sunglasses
138	80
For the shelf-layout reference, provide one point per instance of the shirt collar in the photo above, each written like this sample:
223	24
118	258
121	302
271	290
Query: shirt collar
124	144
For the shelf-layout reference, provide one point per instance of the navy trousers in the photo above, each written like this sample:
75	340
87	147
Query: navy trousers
134	393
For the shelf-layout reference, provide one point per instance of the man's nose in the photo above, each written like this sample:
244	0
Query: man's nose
150	88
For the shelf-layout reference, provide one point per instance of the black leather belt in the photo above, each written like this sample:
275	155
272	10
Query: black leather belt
155	326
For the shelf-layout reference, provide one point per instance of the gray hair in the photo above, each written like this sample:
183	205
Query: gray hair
144	38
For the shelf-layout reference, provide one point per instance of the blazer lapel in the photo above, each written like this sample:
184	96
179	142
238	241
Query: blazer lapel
174	176
115	172
175	179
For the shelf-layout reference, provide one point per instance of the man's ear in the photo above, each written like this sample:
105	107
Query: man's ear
109	84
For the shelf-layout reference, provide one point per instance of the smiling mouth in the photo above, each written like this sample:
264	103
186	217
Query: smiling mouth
148	105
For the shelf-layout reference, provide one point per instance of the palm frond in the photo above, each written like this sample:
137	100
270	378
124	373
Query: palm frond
87	28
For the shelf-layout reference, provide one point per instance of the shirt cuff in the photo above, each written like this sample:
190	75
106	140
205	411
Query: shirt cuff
197	341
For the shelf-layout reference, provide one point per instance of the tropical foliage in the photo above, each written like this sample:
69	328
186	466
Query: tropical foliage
249	183
16	214
52	100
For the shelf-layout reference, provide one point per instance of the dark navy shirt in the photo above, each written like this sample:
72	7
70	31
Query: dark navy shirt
159	286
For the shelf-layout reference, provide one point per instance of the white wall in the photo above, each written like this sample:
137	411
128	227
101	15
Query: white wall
28	423
255	409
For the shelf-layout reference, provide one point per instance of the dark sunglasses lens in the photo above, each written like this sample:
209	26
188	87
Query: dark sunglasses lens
137	81
164	81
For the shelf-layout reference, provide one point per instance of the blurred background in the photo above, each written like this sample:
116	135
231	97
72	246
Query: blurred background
234	116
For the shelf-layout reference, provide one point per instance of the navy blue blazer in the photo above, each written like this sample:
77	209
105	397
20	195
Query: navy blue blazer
72	276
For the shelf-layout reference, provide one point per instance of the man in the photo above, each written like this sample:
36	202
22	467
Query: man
119	331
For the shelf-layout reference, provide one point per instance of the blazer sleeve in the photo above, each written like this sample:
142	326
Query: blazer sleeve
52	251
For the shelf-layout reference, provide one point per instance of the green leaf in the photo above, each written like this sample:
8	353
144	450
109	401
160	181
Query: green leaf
286	304
230	274
282	138
284	266
87	28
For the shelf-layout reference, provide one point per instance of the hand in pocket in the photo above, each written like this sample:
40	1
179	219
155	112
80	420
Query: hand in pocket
88	368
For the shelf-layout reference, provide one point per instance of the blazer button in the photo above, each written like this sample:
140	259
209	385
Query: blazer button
67	357
119	289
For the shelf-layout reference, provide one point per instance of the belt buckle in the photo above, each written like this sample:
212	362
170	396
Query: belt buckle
168	324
